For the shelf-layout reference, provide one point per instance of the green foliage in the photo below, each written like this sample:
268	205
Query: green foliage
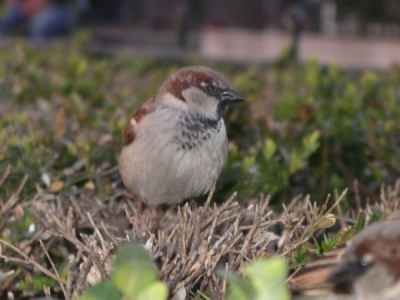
322	129
35	283
303	129
101	291
134	270
328	243
301	255
134	277
361	221
376	216
263	279
265	169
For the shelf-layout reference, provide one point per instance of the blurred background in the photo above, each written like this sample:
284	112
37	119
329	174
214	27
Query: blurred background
321	80
354	33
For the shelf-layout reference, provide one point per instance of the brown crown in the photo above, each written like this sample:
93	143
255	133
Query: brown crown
385	249
184	79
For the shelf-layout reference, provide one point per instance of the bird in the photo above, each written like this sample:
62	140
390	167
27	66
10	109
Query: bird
175	145
367	267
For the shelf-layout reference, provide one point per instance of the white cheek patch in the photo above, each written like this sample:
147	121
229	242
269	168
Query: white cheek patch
133	122
193	94
171	101
199	102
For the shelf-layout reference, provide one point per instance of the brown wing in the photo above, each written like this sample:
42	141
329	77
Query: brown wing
128	134
312	278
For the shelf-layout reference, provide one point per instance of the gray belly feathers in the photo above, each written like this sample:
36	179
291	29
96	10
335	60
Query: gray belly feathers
184	157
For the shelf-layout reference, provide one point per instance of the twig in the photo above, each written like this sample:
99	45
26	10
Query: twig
5	175
54	268
30	261
97	231
14	198
81	280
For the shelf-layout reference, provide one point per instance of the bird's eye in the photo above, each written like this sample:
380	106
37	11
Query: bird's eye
210	88
366	260
364	263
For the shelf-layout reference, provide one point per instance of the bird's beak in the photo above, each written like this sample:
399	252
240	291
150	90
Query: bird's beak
231	95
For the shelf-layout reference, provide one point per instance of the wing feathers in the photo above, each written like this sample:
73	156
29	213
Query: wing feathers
128	134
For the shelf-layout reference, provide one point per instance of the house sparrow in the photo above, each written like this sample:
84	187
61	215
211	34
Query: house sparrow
175	145
368	267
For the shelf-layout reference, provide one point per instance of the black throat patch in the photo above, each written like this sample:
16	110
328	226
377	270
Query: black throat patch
193	130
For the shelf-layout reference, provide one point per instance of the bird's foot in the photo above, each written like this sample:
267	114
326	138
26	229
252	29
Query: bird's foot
193	204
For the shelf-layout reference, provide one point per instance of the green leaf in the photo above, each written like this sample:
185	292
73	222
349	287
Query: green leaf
376	216
328	243
249	160
297	161
239	289
101	291
155	291
268	278
311	142
316	244
301	252
133	254
134	270
369	79
269	149
361	220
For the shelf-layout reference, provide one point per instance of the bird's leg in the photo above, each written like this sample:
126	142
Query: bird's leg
137	221
158	213
139	208
193	204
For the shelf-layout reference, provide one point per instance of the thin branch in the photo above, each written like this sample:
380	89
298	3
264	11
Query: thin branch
54	268
29	261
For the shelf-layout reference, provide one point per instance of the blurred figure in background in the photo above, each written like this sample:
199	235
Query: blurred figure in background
41	19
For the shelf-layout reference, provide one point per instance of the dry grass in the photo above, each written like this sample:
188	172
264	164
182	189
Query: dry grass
188	243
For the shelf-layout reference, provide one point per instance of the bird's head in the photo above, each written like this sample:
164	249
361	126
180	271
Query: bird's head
200	90
376	250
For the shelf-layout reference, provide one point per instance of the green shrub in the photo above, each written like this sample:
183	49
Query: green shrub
303	129
134	277
264	279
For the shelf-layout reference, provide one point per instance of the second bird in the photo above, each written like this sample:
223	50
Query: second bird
175	145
